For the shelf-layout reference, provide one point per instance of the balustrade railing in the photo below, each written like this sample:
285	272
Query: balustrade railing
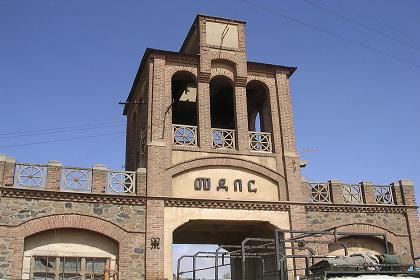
223	138
352	193
383	194
76	179
319	192
184	135
121	182
32	176
260	141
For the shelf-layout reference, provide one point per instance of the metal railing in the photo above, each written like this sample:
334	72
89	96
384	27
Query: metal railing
121	182
260	141
383	194
184	135
223	138
76	179
319	192
32	176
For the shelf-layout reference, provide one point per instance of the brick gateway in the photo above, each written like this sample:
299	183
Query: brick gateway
210	157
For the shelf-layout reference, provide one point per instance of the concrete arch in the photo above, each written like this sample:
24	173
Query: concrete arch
225	161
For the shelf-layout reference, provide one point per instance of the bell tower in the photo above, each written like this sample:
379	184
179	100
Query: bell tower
208	126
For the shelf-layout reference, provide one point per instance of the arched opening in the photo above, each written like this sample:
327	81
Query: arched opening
222	111
184	99
358	244
222	108
210	249
69	254
259	116
258	105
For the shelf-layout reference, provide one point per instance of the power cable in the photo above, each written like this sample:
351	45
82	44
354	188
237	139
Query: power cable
60	140
332	34
58	131
378	21
59	128
361	24
93	151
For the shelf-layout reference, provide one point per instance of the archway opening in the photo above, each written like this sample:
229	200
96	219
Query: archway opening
211	249
222	108
358	244
184	99
258	106
69	254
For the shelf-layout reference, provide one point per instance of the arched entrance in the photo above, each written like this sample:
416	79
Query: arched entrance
223	237
357	244
198	226
69	254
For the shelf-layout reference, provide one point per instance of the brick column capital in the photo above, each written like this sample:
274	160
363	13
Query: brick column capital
54	175
2	168
368	192
55	163
141	181
398	194
99	178
3	158
406	188
336	191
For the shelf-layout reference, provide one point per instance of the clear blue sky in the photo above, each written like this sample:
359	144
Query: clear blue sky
66	63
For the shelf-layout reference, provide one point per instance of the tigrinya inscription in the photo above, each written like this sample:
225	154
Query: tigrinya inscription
202	183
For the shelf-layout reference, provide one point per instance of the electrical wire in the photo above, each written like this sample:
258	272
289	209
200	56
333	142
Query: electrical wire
59	128
361	24
332	34
60	140
59	131
93	151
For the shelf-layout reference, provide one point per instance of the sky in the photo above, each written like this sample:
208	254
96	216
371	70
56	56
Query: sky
65	65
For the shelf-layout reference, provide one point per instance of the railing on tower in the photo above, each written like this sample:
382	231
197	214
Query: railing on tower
260	141
184	135
223	138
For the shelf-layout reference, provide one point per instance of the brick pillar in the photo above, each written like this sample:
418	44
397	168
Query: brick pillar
154	231
298	221
241	114
368	192
336	191
99	180
396	189
413	224
54	168
2	168
9	171
203	111
141	181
